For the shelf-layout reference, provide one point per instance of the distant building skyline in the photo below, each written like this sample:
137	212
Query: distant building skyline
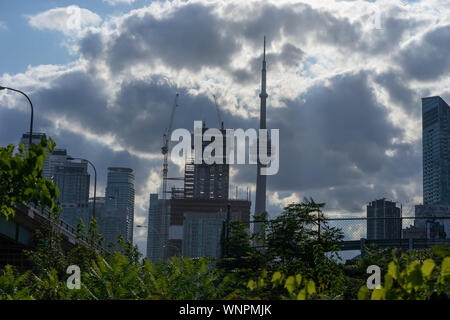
71	178
207	181
381	220
118	218
436	148
155	239
100	203
202	233
196	224
436	169
427	215
73	181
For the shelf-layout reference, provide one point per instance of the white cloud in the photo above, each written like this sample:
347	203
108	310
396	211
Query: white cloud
114	2
70	20
3	25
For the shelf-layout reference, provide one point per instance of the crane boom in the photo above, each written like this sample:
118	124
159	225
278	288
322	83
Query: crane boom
165	152
175	105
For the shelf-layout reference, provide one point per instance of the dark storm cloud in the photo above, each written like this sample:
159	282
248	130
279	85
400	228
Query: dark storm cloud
77	146
289	57
427	59
301	23
191	38
399	92
91	45
15	122
298	22
77	97
394	30
333	143
138	117
194	36
103	157
337	126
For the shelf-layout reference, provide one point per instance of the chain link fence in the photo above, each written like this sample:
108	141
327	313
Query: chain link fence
386	228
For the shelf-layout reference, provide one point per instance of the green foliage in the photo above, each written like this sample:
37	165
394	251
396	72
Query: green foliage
416	281
14	287
291	243
48	254
116	277
292	237
241	258
21	178
296	262
278	286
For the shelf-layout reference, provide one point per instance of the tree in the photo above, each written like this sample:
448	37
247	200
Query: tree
240	258
294	239
21	179
297	241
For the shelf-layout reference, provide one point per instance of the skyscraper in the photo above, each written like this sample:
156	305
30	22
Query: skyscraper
155	239
72	180
196	225
100	203
118	216
435	142
198	214
207	181
36	138
383	220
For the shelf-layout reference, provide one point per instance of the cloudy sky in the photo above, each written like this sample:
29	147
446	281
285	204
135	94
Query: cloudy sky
345	79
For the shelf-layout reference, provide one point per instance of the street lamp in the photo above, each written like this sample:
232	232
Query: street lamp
95	179
32	110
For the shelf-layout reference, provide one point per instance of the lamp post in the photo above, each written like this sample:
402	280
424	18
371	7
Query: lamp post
95	179
32	110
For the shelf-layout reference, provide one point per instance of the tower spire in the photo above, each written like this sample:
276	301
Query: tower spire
260	201
264	49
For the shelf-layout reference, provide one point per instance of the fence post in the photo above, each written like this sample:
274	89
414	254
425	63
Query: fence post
411	244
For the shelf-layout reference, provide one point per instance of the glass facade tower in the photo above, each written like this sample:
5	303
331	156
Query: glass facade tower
118	216
435	143
72	180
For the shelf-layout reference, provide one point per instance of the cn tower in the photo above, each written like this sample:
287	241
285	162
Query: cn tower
260	201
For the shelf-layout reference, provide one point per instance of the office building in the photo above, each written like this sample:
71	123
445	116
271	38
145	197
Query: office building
118	217
72	180
202	233
196	225
36	139
383	220
432	221
100	203
156	239
207	181
435	142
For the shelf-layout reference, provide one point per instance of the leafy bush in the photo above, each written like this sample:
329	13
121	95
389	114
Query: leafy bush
22	180
417	281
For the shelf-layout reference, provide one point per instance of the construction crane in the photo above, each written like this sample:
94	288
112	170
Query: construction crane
165	152
218	113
